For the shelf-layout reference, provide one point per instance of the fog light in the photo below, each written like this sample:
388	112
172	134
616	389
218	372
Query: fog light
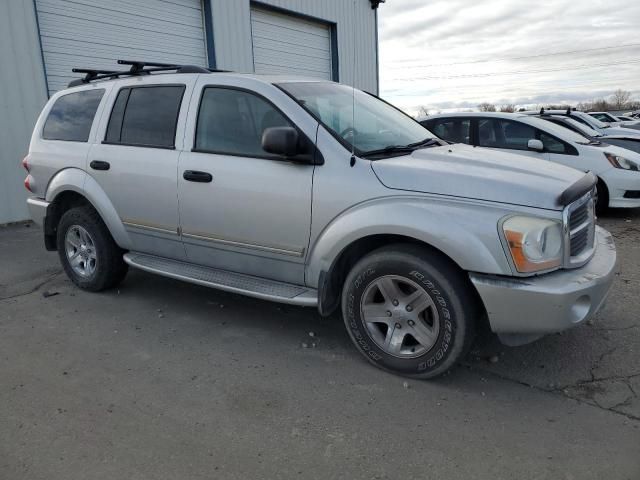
580	309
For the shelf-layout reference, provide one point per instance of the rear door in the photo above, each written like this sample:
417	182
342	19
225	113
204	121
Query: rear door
135	161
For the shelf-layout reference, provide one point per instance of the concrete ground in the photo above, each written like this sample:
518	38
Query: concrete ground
165	380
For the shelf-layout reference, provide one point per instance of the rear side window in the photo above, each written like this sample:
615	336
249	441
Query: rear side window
232	121
145	116
454	130
71	116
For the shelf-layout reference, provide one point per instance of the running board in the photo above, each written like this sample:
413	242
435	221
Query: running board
223	280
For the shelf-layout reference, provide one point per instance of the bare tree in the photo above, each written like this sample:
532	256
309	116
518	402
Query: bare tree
600	105
510	108
620	99
423	111
487	107
584	106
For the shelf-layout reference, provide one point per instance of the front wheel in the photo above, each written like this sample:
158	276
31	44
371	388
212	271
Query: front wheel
602	197
409	310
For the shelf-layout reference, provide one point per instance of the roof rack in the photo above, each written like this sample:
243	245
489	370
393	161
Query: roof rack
136	68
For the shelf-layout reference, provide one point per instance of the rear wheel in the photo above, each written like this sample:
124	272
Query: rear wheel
409	310
89	255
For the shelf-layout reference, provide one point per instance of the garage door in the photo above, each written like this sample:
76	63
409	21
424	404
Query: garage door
95	33
290	45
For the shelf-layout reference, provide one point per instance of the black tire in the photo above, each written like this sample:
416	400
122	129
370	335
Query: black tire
456	303
110	268
602	202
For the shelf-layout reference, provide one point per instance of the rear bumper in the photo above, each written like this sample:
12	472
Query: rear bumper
552	302
37	209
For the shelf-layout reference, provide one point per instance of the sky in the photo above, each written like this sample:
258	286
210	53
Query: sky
455	54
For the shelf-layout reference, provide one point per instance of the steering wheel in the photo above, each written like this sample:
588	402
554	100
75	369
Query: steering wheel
348	132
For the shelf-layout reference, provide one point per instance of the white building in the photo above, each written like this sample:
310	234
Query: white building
42	40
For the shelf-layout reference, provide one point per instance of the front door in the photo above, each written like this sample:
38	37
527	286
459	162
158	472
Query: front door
508	135
242	209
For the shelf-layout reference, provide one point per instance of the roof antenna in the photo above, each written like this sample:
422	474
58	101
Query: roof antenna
352	162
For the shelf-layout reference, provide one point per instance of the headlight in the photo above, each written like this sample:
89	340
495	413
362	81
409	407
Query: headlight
621	162
535	243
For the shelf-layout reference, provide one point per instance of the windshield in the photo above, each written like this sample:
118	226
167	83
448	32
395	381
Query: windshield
594	122
375	126
562	133
582	128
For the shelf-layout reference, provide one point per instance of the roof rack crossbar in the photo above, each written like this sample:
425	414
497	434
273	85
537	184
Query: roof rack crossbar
136	68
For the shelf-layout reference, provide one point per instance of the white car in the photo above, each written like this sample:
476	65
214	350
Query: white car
623	141
606	117
592	122
617	169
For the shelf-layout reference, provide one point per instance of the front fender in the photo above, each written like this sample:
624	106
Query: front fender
76	180
466	232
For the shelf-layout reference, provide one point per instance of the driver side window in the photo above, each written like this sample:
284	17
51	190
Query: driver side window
232	121
501	133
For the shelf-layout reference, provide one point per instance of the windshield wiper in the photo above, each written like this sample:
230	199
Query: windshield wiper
390	149
424	143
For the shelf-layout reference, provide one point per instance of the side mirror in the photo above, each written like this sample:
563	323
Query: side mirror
281	141
536	145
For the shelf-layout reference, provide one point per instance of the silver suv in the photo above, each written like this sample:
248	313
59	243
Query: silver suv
314	194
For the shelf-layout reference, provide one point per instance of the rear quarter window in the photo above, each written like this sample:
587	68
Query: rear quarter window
72	115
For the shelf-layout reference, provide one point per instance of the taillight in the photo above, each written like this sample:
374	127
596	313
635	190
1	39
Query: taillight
25	163
27	183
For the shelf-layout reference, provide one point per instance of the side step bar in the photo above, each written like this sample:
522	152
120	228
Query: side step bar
224	280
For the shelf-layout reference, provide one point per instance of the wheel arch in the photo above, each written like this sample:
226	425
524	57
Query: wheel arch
352	236
72	188
331	281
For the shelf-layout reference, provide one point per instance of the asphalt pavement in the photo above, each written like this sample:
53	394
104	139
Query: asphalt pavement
160	379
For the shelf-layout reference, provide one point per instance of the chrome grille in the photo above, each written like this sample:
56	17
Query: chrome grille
580	224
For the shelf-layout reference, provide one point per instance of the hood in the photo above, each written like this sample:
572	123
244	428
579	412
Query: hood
630	130
470	172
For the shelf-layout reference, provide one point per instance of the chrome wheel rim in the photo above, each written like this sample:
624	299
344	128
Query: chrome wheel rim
400	316
81	251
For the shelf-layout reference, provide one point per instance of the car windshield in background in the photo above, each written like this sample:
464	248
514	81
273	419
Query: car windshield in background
375	128
582	128
560	132
595	122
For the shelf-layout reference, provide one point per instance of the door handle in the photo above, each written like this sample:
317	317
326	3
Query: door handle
99	165
196	176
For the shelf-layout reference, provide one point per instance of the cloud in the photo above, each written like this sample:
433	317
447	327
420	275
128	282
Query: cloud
463	52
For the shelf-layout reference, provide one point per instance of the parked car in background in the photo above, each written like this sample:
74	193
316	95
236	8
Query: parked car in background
622	141
616	168
313	193
623	118
592	122
607	117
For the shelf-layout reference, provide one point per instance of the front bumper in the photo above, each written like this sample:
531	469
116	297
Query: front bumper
618	182
552	302
37	209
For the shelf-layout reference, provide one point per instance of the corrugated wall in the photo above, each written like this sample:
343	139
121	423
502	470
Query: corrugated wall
22	96
356	35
